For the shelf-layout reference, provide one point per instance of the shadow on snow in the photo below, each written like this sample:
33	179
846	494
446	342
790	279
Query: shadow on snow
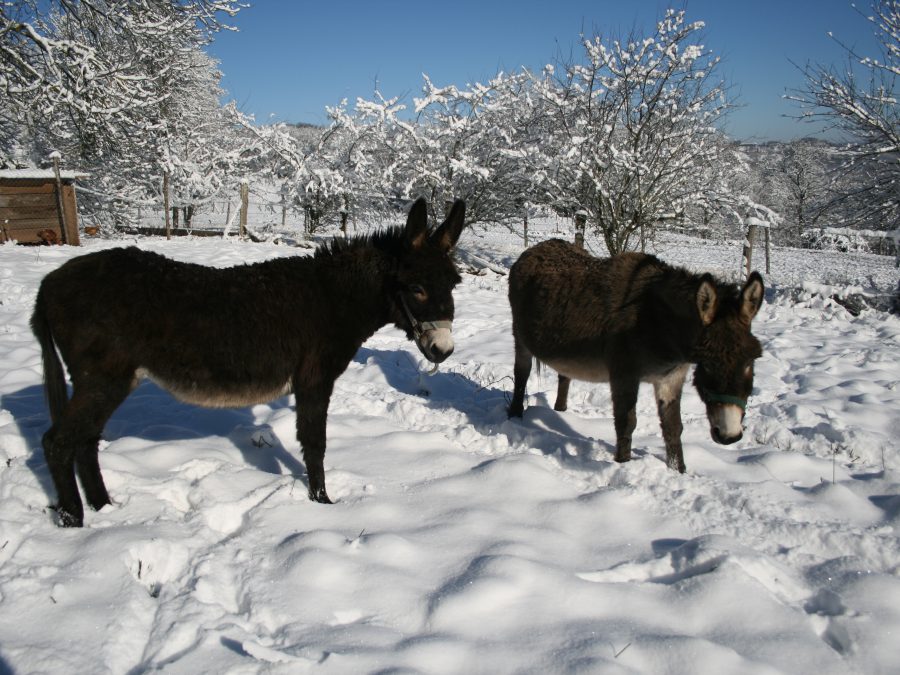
485	407
152	414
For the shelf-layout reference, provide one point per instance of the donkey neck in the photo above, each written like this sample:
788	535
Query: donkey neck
357	280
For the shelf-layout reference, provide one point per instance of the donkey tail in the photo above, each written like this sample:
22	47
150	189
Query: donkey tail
54	376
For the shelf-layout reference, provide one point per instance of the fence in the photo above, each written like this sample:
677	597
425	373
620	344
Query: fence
254	210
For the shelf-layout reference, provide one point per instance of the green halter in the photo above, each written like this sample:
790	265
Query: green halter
712	397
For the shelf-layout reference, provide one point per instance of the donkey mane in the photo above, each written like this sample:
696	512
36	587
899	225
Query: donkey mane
390	240
671	279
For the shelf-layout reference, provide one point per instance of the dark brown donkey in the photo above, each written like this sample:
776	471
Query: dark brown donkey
230	337
631	319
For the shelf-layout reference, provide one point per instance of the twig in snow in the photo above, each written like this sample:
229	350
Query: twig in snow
617	654
490	384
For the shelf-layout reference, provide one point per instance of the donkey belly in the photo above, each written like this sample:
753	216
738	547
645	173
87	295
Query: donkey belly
209	395
587	370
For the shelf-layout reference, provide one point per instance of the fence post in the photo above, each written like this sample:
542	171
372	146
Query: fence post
166	204
580	223
525	226
64	236
748	249
344	213
245	205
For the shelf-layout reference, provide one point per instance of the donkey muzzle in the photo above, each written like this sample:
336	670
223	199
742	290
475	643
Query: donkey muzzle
725	422
436	340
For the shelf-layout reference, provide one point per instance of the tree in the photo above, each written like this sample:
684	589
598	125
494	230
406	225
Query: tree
632	138
461	143
859	101
803	171
467	142
95	60
122	89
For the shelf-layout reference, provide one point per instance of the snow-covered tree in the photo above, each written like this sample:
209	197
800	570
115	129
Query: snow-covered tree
860	101
460	143
805	184
632	137
467	142
100	61
122	89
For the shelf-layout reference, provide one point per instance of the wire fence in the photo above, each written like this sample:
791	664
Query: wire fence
265	210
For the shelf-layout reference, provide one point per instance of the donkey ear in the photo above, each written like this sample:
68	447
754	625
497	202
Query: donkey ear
707	300
448	233
751	297
417	224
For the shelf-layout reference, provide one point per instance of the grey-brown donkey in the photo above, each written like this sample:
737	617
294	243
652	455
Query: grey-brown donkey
629	319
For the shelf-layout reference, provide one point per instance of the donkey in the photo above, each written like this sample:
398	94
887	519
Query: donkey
230	337
629	319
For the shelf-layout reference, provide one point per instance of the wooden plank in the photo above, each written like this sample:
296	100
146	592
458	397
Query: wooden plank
17	213
27	189
28	223
27	199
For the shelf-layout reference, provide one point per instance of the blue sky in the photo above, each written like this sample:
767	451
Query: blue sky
291	59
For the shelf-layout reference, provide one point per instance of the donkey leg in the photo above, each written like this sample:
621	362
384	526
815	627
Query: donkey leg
72	443
104	399
668	405
521	371
312	413
60	455
562	393
624	396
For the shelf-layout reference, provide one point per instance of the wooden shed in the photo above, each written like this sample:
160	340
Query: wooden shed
31	204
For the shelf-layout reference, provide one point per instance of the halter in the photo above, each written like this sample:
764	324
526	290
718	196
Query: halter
724	398
419	327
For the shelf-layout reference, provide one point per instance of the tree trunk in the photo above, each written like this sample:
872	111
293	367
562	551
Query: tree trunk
525	228
166	204
580	223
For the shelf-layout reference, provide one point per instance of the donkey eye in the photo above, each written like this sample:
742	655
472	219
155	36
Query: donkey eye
418	291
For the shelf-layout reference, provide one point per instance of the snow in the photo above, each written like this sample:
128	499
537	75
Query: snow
462	541
40	174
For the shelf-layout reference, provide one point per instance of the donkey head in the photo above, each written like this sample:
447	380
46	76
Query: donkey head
725	354
425	280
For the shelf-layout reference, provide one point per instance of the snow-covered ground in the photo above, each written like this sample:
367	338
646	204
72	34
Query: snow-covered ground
462	542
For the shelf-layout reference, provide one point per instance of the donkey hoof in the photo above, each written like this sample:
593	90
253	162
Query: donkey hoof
99	503
320	496
67	519
514	411
622	457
